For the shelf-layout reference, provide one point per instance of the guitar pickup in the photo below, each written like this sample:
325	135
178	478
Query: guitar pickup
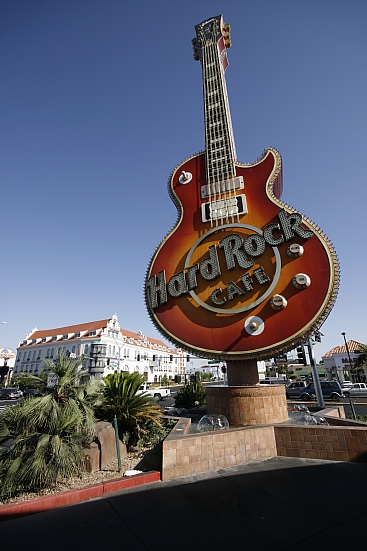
224	208
222	187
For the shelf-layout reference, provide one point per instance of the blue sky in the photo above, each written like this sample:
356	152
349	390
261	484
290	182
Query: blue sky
100	100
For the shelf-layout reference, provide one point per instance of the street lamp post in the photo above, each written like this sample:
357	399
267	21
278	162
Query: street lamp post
315	374
346	346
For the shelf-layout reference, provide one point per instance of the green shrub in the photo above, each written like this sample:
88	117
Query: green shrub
191	395
135	412
47	434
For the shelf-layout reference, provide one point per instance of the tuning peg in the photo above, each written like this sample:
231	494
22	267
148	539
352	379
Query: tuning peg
196	54
227	36
194	41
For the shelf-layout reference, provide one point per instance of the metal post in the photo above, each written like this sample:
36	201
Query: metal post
346	346
117	444
315	375
352	408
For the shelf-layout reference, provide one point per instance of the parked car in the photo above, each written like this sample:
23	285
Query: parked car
330	389
358	389
347	384
294	389
10	393
32	392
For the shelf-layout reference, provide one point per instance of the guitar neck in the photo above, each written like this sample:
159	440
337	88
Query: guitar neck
219	141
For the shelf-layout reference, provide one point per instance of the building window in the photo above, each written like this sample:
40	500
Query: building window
66	336
73	349
43	339
92	333
86	349
109	350
48	353
77	335
54	338
52	352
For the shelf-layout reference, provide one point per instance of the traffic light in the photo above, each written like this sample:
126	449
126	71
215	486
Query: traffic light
301	355
171	358
138	358
224	369
187	358
153	357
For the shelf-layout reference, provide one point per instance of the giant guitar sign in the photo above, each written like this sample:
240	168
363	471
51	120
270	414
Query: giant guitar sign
241	275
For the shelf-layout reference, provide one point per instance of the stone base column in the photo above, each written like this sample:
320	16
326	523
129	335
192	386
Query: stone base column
248	405
242	373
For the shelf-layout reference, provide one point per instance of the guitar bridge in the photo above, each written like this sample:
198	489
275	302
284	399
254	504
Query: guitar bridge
222	187
224	209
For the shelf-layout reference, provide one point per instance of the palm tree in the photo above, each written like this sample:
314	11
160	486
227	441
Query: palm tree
48	433
135	411
361	361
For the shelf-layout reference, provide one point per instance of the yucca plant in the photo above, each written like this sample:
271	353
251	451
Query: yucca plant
47	434
134	411
191	395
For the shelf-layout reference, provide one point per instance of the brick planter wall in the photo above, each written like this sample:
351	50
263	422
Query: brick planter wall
323	442
193	453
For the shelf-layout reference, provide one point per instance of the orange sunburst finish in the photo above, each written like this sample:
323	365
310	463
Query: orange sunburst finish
207	311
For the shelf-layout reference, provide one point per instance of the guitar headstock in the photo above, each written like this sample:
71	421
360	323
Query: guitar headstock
209	32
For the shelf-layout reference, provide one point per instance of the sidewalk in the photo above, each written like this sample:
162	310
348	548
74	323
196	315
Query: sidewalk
277	504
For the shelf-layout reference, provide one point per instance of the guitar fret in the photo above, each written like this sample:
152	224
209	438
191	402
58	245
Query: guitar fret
220	151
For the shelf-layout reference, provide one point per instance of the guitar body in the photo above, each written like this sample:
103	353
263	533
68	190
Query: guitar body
241	275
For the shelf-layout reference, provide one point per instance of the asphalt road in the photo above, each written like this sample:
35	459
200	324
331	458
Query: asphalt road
6	403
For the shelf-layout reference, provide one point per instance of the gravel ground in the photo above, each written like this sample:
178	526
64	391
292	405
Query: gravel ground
147	459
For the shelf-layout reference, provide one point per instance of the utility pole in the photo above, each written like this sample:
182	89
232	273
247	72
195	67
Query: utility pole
315	374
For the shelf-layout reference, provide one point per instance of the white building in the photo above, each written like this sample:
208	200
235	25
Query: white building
215	368
340	361
107	348
7	361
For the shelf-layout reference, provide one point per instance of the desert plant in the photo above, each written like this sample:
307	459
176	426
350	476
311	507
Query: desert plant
191	395
47	434
135	411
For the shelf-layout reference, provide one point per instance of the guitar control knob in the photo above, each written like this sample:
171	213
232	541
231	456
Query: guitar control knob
301	281
278	302
254	325
185	177
295	250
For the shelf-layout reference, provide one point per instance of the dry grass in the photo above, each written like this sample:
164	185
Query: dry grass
146	459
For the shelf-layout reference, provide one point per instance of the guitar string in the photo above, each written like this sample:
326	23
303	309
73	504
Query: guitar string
230	151
223	164
207	127
215	130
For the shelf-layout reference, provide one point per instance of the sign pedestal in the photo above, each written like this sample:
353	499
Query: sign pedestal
244	401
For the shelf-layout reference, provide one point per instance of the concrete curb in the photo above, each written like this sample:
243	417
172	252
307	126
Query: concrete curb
70	497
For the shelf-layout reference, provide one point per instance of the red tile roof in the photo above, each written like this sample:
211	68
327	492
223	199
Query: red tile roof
92	326
89	326
352	347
